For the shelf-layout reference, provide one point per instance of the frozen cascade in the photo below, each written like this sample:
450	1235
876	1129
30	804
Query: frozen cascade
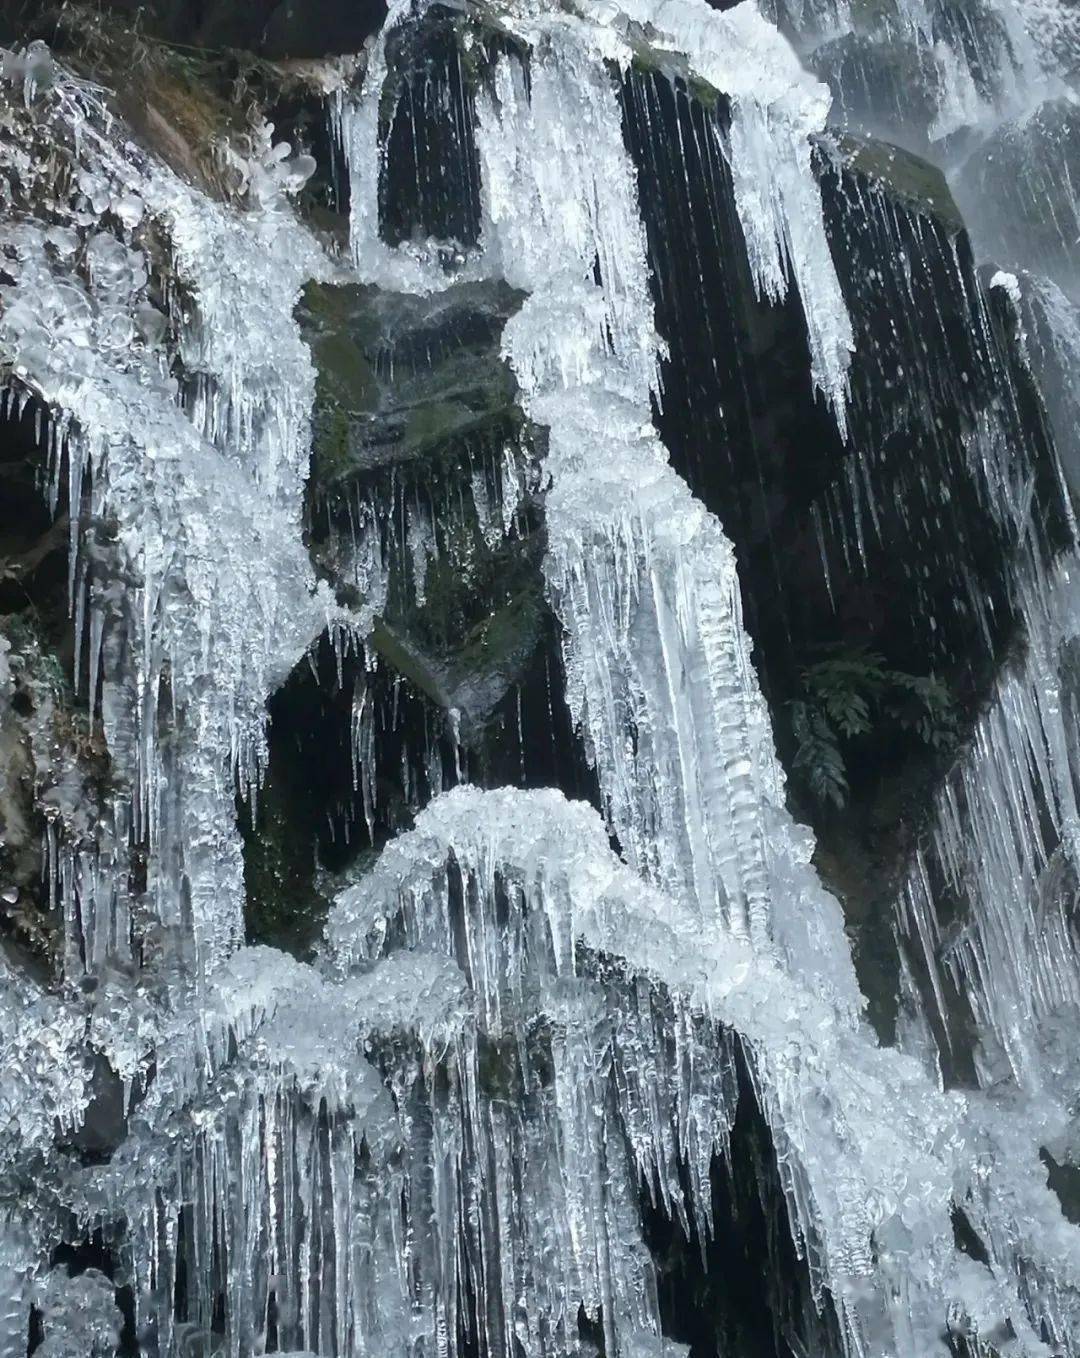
987	913
862	1130
435	1138
1001	859
1005	840
577	351
204	513
641	577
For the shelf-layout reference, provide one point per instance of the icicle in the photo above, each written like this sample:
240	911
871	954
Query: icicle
862	1134
363	752
218	584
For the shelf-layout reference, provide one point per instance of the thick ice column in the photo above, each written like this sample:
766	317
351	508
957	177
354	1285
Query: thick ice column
642	578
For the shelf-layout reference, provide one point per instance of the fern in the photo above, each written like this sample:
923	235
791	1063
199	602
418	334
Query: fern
853	693
922	703
848	711
817	754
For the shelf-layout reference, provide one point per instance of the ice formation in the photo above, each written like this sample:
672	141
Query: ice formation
436	1138
199	507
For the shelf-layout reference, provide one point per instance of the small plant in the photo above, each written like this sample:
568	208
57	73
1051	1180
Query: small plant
853	693
32	655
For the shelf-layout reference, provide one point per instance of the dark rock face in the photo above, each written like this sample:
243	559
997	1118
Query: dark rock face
429	182
104	1125
33	543
275	29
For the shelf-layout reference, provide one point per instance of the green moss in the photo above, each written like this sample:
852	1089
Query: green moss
705	94
345	375
325	303
903	175
648	61
507	633
425	410
285	908
331	443
432	424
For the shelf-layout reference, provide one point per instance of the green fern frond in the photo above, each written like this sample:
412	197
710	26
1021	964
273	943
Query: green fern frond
818	756
846	696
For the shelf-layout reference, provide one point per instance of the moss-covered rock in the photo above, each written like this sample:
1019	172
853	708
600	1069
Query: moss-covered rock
402	377
418	432
900	176
185	102
271	28
468	680
881	81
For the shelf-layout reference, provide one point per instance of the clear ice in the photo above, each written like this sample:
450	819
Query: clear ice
436	1136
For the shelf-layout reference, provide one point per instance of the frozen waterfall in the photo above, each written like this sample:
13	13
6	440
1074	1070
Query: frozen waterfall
550	1067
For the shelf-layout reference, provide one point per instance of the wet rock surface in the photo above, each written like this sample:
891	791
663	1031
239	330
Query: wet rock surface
405	378
271	28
